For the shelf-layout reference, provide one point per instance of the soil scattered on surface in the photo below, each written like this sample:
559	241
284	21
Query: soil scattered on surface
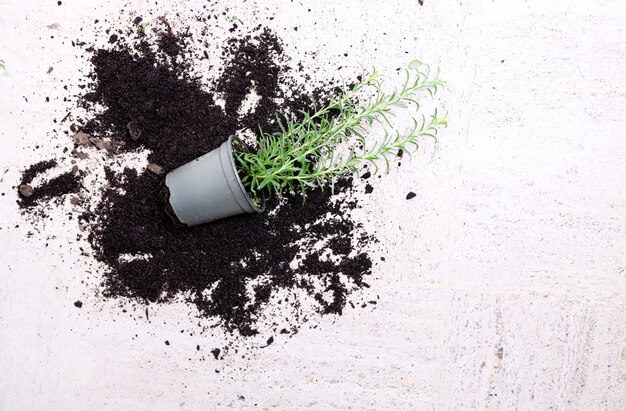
252	68
36	169
298	258
66	183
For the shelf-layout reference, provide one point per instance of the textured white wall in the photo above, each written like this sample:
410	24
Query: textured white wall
504	285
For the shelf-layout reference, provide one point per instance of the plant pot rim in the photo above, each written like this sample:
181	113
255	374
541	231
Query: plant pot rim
231	139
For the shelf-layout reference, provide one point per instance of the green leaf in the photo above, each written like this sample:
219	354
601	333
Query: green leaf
415	64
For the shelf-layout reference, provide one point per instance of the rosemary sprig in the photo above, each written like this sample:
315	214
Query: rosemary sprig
311	151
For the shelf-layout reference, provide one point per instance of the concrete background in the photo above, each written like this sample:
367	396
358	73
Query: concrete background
504	285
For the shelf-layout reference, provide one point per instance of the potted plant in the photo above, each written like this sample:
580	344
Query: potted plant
311	150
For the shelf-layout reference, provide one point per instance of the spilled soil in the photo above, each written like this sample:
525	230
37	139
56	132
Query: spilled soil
68	182
143	95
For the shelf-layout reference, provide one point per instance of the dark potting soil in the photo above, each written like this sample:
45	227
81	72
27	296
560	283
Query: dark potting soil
253	68
233	270
36	169
66	183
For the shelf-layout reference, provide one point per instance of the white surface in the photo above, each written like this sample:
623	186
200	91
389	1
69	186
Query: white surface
504	284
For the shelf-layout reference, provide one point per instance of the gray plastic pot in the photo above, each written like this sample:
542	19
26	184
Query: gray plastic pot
209	188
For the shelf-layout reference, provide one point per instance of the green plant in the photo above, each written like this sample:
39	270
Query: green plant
3	65
330	142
